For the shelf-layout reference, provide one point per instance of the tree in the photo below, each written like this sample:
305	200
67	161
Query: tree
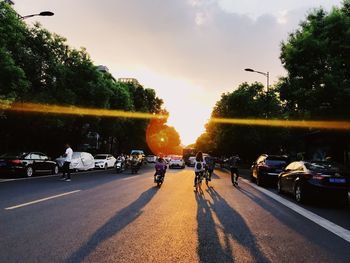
38	66
250	102
317	58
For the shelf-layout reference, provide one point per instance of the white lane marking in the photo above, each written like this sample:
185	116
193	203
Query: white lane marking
53	175
335	229
6	180
41	200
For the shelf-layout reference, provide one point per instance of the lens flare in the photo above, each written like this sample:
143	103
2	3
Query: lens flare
330	125
70	110
66	110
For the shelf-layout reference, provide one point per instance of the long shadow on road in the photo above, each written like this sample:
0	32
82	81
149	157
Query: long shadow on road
233	226
115	224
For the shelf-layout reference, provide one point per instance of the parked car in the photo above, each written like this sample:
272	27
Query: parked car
104	161
176	161
191	161
314	179
27	163
81	161
151	158
167	158
267	168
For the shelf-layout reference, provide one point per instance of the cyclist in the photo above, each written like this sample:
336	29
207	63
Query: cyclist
234	169
199	166
210	164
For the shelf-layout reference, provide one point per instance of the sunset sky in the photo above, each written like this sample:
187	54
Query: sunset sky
189	51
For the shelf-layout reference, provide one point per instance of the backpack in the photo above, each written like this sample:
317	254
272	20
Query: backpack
199	166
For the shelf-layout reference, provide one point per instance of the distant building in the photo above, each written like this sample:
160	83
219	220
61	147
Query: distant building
103	69
129	80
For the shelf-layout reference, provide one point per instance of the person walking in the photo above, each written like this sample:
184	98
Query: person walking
68	158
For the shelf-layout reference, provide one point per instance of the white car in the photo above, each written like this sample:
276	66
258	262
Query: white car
151	158
81	161
176	161
104	161
191	161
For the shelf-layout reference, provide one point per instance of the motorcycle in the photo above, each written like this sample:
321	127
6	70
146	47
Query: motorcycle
119	166
160	174
135	166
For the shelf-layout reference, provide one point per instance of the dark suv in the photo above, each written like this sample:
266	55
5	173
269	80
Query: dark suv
267	168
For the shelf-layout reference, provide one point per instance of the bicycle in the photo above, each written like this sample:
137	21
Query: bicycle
207	177
199	180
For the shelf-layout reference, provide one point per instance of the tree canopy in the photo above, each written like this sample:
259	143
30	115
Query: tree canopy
317	59
39	66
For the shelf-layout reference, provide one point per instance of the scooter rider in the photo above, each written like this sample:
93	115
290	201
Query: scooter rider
160	167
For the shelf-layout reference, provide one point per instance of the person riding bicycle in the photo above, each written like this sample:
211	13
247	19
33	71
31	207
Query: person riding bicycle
160	167
234	168
210	165
199	167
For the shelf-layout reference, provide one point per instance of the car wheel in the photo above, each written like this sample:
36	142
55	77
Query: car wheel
299	193
55	170
252	179
279	187
29	171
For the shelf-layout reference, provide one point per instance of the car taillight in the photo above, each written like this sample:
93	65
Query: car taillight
15	162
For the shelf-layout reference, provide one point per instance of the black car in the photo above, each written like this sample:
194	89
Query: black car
307	180
267	168
27	163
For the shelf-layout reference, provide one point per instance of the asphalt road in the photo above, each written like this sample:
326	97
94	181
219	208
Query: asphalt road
107	217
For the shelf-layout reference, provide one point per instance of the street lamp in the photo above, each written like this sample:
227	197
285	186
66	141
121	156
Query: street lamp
262	73
44	13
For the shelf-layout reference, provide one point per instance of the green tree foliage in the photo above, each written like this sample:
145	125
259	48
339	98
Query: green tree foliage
317	86
317	58
251	102
38	66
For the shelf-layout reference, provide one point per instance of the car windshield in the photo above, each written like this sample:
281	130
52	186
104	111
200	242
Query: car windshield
321	167
100	157
275	162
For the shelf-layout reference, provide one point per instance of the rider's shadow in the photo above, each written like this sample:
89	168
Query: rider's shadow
230	223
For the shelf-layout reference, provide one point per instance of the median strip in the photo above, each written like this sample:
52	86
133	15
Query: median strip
335	229
41	200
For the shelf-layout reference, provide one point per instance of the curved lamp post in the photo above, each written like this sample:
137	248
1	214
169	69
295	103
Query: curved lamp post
262	73
44	13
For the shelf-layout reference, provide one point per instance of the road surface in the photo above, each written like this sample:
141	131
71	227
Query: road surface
102	216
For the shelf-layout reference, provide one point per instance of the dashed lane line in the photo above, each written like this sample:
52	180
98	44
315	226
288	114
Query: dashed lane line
330	226
48	176
41	200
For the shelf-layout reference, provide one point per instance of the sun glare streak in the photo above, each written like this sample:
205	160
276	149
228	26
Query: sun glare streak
334	125
69	110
